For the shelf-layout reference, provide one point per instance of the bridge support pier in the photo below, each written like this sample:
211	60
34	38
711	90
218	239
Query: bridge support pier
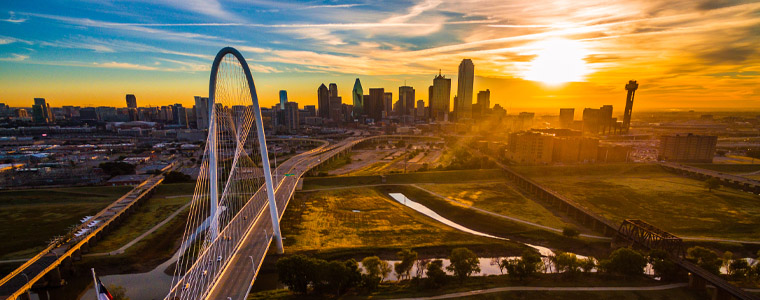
24	296
54	277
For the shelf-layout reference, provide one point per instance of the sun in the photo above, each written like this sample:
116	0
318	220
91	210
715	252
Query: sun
557	61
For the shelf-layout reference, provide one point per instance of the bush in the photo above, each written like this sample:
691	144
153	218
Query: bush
626	261
570	232
463	263
521	268
663	266
297	272
407	259
376	269
567	263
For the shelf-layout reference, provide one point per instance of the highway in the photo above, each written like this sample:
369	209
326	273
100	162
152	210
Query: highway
233	277
18	282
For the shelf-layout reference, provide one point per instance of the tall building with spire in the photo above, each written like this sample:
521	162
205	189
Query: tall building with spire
323	101
631	87
358	95
440	98
464	89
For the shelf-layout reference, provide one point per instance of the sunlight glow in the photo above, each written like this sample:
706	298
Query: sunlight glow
557	61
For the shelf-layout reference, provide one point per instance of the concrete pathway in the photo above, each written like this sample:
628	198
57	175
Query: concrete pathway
554	289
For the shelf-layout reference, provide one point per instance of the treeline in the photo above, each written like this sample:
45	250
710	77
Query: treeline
304	275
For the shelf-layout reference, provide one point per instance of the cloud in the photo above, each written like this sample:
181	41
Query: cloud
15	57
4	40
14	19
414	11
122	65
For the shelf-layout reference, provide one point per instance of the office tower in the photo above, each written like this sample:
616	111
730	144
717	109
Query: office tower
323	101
336	108
566	117
283	98
420	109
333	90
605	119
41	111
291	116
179	115
441	97
311	111
591	120
375	106
131	101
88	113
358	96
484	101
687	148
464	89
525	120
631	87
406	96
388	103
201	112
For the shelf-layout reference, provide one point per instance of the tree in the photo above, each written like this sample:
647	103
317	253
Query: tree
295	272
663	266
626	261
463	263
340	276
527	265
435	274
738	269
117	168
567	263
404	267
705	258
588	264
373	267
117	292
570	232
712	184
176	177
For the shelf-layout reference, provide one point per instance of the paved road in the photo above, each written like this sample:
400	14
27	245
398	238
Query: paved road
555	289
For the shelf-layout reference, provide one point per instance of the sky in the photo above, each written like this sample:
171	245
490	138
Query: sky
538	54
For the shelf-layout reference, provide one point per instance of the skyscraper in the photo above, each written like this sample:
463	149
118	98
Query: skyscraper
484	101
566	117
201	112
131	101
406	96
631	87
441	97
283	98
375	106
358	97
291	116
420	109
333	90
180	115
336	109
41	111
388	103
464	89
323	101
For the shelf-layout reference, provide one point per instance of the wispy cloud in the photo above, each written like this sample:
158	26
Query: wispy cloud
123	65
14	19
15	57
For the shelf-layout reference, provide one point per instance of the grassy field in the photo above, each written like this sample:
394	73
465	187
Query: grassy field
498	226
29	218
678	204
165	201
498	197
406	289
730	168
326	221
416	177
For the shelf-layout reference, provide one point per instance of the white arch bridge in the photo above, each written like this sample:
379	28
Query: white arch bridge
236	206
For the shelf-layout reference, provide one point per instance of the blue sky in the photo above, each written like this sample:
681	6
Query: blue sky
685	53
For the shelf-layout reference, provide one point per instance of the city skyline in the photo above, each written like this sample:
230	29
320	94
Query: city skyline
87	57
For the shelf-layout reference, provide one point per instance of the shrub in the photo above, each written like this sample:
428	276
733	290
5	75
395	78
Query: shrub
570	232
463	263
626	261
435	274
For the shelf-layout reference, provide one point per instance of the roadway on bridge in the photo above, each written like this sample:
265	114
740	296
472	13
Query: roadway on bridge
235	281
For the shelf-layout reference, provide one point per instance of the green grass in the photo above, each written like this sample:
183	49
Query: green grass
498	226
165	201
416	177
640	191
324	221
29	218
498	197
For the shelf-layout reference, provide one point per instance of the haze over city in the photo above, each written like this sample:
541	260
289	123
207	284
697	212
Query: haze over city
532	54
